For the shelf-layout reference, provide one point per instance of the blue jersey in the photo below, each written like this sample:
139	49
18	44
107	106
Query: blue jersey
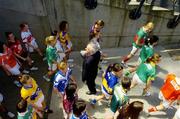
83	116
109	81
61	80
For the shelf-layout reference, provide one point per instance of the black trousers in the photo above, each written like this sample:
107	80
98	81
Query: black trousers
90	81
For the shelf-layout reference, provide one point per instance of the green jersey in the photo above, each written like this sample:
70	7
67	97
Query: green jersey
51	54
146	52
25	115
119	98
140	35
146	71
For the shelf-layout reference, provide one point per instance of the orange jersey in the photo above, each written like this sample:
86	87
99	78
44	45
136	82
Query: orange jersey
8	58
171	89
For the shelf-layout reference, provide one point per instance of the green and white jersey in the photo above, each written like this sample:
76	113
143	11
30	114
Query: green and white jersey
146	71
51	54
140	35
146	52
119	98
25	115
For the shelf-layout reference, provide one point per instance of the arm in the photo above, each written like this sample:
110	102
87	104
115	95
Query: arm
17	55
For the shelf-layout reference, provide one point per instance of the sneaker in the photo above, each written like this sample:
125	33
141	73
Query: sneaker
10	115
44	58
104	62
25	71
32	61
34	68
146	94
70	60
17	83
46	78
124	64
93	101
152	109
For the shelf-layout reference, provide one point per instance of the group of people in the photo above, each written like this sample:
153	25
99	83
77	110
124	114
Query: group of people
117	80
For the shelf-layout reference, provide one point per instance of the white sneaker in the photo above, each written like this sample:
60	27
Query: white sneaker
34	68
124	64
17	83
32	61
46	78
147	94
25	71
10	115
70	60
104	62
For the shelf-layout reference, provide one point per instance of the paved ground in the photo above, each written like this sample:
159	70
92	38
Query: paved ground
167	65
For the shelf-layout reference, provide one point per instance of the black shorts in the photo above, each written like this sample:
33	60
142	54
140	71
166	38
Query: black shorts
24	55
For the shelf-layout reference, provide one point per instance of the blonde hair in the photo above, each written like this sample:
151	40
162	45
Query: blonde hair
62	65
149	25
155	58
50	39
100	22
25	78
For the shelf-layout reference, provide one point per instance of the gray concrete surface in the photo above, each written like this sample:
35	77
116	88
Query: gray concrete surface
45	15
167	65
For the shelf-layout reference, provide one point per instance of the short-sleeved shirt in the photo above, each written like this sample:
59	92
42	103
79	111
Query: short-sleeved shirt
146	71
140	35
51	54
171	89
16	47
146	52
25	115
119	98
32	94
27	36
7	58
109	81
83	116
61	80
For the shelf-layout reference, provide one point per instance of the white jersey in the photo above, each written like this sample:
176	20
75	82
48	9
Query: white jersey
27	36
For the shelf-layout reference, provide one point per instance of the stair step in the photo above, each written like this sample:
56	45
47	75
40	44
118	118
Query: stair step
134	2
157	8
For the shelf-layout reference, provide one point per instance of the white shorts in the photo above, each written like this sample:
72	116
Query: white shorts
40	101
52	67
34	44
177	114
1	98
15	70
134	50
137	80
107	96
165	102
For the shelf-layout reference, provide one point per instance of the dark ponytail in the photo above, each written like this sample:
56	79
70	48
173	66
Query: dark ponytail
151	39
114	67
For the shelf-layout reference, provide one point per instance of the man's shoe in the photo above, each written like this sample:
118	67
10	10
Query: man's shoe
90	93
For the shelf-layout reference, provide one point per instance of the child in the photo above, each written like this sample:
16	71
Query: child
96	28
19	51
4	110
146	73
23	112
120	97
29	40
147	50
9	63
62	78
138	41
131	111
169	93
69	98
79	110
52	56
109	80
65	38
33	95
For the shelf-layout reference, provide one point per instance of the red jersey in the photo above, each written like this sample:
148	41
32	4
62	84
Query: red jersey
16	47
171	89
8	58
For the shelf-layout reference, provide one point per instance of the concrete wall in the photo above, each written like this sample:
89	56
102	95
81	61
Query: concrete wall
45	15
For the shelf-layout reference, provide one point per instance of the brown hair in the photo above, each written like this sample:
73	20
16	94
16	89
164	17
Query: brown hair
100	22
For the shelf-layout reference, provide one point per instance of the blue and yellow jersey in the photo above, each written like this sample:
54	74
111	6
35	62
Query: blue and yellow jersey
109	80
31	94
